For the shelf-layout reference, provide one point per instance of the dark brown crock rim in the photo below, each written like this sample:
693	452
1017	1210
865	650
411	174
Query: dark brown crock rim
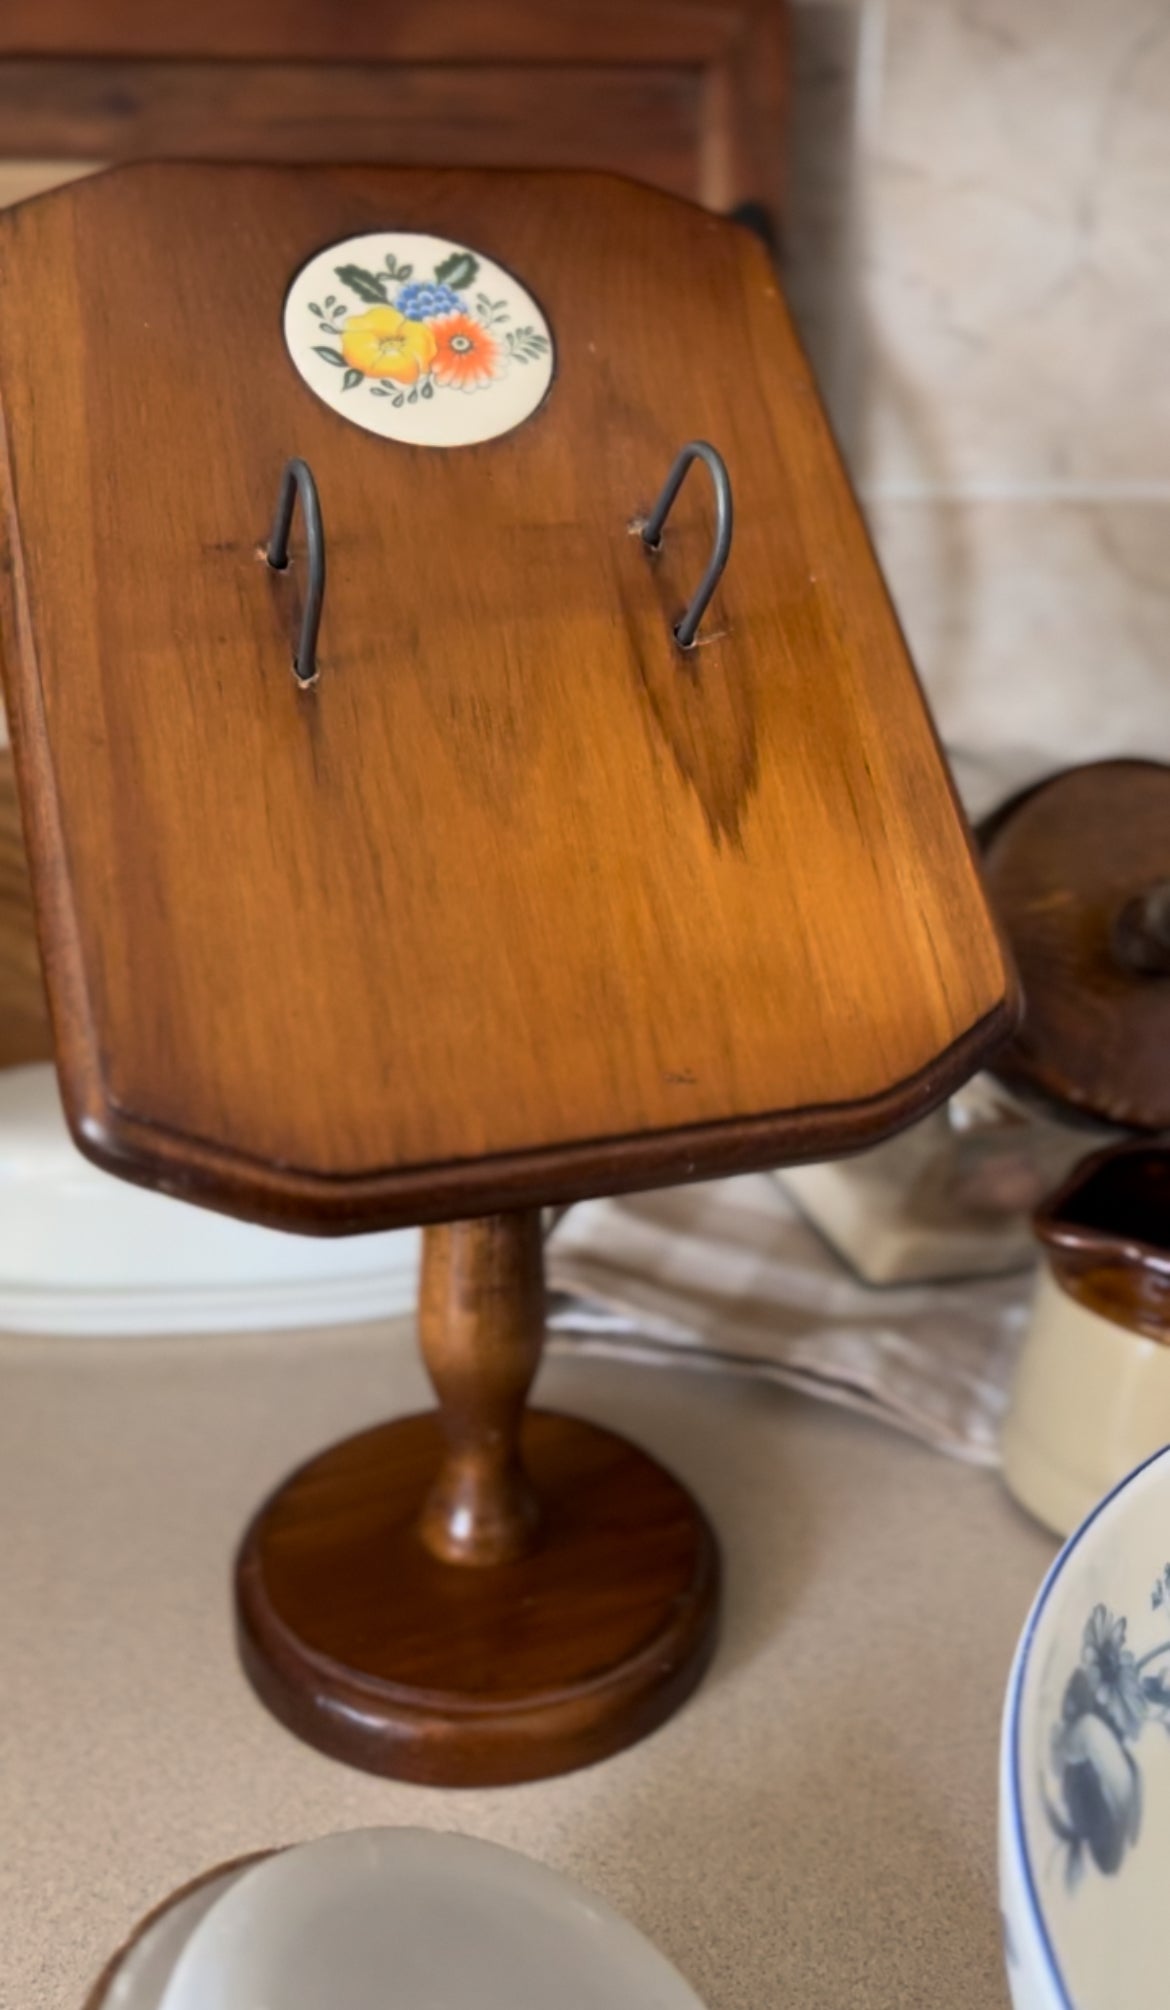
1077	1236
1123	1278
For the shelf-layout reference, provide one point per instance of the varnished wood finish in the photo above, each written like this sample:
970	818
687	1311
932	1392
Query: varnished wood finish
537	31
1106	1232
691	95
480	1596
24	1020
1075	868
517	904
646	122
367	1646
481	1320
1141	933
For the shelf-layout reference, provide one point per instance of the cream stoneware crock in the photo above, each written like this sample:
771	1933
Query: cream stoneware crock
1092	1392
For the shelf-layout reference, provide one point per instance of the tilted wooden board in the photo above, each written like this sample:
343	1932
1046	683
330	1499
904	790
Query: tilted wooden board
519	902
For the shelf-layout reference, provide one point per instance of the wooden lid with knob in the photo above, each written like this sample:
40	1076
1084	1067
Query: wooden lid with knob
1079	871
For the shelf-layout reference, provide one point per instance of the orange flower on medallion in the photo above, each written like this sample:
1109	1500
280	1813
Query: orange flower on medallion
467	355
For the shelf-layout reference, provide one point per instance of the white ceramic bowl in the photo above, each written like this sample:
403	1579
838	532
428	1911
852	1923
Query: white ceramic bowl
1085	1766
411	1918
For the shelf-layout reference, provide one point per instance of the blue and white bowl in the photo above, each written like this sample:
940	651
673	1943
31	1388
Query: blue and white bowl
1084	1803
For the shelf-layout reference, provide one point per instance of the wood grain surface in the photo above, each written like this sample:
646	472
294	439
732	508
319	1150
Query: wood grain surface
368	1646
1077	868
381	30
24	1018
691	95
518	903
481	1323
647	121
487	1595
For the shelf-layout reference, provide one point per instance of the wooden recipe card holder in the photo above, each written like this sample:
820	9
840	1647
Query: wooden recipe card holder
495	827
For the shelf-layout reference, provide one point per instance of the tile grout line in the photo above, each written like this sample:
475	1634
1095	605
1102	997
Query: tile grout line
1040	492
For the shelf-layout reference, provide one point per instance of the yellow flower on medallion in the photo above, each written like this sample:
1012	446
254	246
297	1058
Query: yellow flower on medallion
383	343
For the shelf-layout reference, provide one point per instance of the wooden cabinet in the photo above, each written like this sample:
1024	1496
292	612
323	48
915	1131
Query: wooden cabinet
687	94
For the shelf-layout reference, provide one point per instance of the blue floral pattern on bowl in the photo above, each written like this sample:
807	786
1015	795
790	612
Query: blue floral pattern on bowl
1084	1801
1093	1798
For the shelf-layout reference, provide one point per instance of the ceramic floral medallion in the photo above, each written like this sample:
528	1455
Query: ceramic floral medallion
418	339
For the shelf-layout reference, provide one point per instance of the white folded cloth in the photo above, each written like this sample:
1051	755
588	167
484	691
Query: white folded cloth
725	1275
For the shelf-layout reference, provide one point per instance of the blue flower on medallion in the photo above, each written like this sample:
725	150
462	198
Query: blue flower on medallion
423	299
1094	1796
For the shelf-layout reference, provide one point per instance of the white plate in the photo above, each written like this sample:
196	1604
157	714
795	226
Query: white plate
82	1252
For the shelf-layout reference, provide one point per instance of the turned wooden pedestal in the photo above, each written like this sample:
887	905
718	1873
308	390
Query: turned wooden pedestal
488	1593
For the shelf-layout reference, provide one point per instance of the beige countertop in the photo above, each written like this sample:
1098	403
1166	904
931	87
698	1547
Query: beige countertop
816	1829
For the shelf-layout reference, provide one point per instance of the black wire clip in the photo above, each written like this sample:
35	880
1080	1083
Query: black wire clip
297	480
695	450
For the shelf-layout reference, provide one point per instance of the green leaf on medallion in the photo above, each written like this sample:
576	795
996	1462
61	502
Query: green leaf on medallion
369	286
351	378
457	271
524	345
314	310
329	355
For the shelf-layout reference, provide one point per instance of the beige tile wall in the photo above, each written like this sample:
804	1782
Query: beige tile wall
1012	438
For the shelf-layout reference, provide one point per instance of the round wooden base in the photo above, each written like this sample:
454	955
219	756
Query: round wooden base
366	1646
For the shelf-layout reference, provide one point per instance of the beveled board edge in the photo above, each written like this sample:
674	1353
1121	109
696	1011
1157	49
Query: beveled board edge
313	1204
